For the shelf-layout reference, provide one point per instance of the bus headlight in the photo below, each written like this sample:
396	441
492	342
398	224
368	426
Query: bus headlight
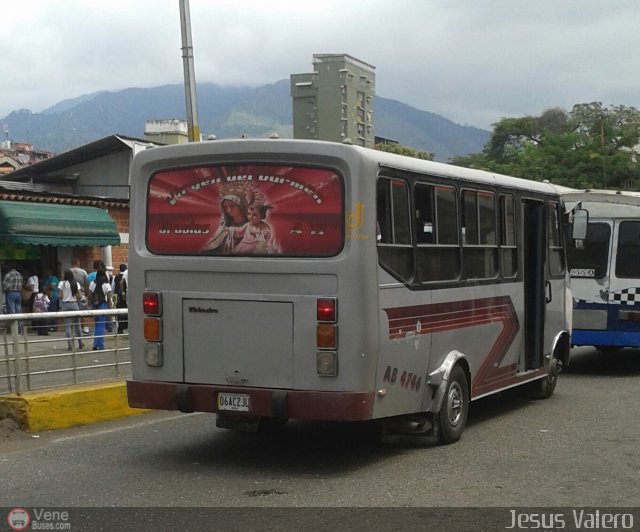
327	363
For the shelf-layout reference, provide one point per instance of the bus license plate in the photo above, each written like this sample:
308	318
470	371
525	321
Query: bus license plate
237	402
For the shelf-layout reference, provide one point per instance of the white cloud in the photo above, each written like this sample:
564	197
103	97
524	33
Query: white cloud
473	62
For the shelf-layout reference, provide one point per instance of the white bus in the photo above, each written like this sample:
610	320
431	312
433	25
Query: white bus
277	279
605	271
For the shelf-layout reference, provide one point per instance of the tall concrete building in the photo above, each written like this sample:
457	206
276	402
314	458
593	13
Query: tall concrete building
335	101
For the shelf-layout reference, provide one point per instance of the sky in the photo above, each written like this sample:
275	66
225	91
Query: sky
471	61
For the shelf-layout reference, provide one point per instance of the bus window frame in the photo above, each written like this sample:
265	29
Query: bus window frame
467	248
385	249
502	241
339	172
435	246
555	246
624	253
608	223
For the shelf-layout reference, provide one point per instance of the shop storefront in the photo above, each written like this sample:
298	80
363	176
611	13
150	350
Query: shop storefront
36	237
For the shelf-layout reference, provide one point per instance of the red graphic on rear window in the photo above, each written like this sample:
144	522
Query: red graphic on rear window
245	210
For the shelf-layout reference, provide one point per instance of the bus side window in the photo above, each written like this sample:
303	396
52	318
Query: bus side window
395	251
628	252
554	230
424	214
508	242
479	234
437	222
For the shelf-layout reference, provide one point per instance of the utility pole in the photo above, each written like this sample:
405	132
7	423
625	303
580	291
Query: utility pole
604	153
189	72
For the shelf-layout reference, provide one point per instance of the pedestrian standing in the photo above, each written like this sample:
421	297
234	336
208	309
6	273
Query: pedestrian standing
120	291
50	285
100	295
99	265
41	302
80	275
12	286
70	290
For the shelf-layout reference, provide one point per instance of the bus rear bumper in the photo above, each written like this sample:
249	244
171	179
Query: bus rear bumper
264	402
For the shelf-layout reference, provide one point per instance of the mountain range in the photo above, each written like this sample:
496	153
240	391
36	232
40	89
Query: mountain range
225	112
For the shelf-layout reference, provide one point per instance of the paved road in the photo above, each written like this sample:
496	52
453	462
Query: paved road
579	448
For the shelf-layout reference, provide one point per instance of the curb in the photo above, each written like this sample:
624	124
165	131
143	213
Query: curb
68	407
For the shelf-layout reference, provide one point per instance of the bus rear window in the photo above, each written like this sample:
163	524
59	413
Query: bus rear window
245	210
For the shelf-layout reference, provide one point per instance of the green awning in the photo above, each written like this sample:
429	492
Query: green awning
53	224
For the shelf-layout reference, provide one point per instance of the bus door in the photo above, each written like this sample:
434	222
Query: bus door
555	293
534	281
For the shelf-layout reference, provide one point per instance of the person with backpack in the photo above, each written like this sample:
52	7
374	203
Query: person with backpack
40	304
71	291
100	295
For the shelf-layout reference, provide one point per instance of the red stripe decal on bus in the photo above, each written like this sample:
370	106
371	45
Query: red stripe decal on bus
438	317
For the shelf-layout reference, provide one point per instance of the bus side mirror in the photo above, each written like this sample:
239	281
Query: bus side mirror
579	227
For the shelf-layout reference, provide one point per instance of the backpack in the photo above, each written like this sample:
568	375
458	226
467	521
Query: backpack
39	303
98	296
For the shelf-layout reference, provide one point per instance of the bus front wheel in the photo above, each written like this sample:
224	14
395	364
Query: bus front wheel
454	410
544	388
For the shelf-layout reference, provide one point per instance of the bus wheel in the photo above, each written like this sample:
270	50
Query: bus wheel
544	388
454	410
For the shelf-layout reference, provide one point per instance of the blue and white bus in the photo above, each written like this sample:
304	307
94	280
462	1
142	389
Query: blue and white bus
605	271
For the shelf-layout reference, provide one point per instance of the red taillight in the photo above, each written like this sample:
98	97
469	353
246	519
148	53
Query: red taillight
151	303
326	310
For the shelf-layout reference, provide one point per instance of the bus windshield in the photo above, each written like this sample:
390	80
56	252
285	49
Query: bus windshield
592	260
249	209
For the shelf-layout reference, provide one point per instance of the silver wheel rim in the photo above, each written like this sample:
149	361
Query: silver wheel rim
455	403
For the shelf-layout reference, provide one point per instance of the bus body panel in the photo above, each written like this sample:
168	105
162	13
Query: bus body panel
240	333
403	357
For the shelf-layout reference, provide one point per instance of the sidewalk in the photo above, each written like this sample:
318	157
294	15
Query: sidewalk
66	391
67	407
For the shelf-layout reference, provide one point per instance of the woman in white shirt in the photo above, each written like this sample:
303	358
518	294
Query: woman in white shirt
70	291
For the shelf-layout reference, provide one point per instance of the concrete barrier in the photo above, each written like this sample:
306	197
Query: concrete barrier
68	407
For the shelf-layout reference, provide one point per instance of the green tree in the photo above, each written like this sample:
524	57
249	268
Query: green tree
404	150
589	147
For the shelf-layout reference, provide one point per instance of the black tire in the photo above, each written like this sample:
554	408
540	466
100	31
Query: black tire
455	407
544	388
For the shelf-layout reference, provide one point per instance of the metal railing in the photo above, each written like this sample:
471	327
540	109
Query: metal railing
34	361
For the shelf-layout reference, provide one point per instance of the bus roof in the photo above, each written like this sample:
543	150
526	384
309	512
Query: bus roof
257	148
604	203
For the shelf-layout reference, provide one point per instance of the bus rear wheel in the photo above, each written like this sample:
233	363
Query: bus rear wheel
455	409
